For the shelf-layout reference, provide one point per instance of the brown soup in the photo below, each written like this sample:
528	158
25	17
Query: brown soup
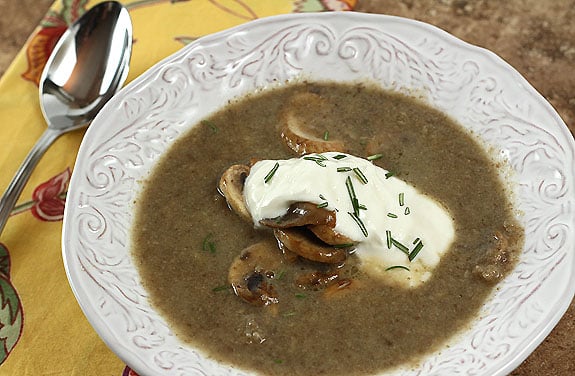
185	238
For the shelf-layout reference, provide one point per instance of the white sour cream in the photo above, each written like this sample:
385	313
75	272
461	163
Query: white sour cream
390	207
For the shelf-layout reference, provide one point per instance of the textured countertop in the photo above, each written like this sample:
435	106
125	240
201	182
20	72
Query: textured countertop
537	37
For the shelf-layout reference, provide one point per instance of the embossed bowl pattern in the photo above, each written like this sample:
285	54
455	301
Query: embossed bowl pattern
471	84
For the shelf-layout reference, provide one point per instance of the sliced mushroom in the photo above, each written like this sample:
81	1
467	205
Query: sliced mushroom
231	186
253	270
299	130
341	288
299	240
328	235
302	214
497	259
316	279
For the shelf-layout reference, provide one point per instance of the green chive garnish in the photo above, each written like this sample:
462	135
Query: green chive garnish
317	158
221	288
415	241
322	197
400	246
271	173
407	211
391	215
208	245
359	223
401	199
374	157
210	124
397	267
339	156
322	205
343	169
344	245
413	254
360	175
352	197
356	205
301	296
326	135
388	235
389	174
361	206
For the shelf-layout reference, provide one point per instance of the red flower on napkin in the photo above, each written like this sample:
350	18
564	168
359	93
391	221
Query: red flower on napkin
129	372
51	29
49	197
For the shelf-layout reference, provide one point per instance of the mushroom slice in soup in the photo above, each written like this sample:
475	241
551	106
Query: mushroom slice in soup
302	214
328	235
316	279
498	258
252	272
300	241
231	186
341	288
298	128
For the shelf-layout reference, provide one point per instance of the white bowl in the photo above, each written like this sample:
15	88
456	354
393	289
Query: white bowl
472	85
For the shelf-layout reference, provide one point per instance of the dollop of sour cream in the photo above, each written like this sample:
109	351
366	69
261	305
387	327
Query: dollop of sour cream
401	233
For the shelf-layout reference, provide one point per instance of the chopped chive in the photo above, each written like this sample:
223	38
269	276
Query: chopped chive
407	211
356	206
400	246
397	267
210	124
343	169
322	205
278	361
389	174
359	223
352	196
301	296
415	241
317	158
391	215
388	236
280	275
208	245
339	156
326	135
287	314
271	173
221	288
360	175
413	254
322	197
361	206
344	245
374	157
401	199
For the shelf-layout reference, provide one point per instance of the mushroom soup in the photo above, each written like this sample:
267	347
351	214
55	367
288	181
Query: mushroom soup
342	281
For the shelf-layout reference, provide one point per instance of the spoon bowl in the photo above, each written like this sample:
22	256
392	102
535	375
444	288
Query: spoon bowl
89	64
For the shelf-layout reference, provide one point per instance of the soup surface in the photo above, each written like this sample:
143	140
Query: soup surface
186	237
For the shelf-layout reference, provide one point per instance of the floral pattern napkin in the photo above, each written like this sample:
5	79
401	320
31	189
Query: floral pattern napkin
42	328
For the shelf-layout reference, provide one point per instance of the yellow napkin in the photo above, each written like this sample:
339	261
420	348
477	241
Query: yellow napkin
42	329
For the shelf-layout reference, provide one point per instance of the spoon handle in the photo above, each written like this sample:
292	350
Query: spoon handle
23	174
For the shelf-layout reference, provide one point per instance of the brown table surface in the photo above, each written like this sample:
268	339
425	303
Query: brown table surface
537	37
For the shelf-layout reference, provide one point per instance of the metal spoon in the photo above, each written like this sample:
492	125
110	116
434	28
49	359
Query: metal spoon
88	65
